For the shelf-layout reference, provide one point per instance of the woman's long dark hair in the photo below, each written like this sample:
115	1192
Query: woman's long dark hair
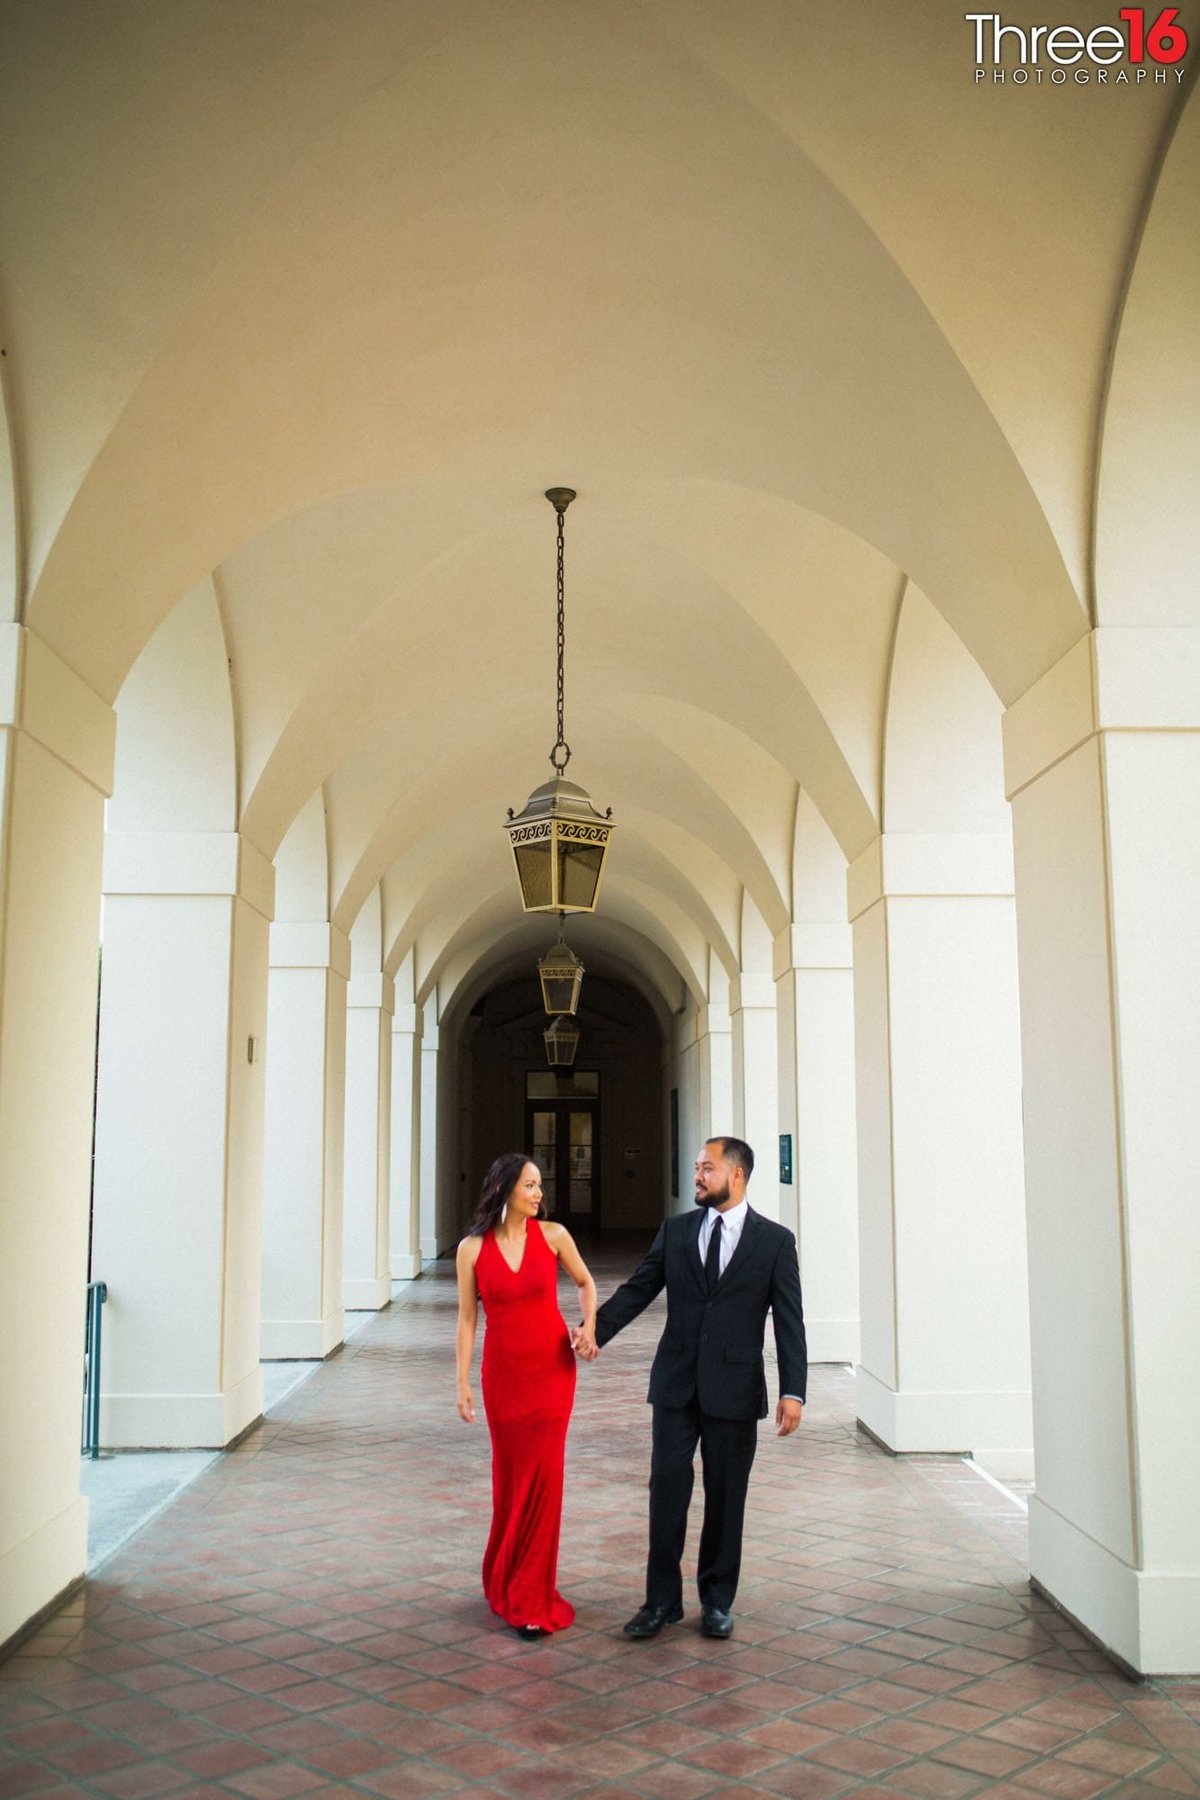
498	1184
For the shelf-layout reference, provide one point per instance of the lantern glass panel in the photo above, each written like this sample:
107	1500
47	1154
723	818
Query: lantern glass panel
562	1041
534	872
579	868
560	991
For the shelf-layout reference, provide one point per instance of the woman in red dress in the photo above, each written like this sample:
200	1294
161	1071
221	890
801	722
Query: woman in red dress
510	1260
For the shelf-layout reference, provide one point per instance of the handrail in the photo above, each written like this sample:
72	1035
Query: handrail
97	1294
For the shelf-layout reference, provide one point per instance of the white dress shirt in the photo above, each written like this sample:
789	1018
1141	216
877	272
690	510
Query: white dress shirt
732	1223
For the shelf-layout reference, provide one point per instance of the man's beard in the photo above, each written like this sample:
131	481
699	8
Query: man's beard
709	1198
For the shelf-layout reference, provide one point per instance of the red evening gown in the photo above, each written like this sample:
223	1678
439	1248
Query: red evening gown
528	1379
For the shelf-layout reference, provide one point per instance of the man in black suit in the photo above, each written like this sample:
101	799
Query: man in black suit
722	1269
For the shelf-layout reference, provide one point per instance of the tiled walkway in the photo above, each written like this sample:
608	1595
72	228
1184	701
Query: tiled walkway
306	1620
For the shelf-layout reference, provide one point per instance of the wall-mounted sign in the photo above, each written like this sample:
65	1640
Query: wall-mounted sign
785	1159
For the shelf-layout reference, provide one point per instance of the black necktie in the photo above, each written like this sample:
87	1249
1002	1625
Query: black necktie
712	1262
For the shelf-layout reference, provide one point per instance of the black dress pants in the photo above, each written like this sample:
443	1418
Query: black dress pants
727	1449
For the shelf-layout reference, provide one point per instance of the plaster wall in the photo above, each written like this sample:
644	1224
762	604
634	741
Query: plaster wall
176	1231
242	1322
1151	783
716	1059
432	1243
1108	856
876	1202
367	1276
785	1050
56	743
1081	1403
404	1162
692	1121
956	1137
943	1028
755	1069
815	1017
302	1187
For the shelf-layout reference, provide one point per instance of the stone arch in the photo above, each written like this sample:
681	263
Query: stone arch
672	952
302	866
937	1047
942	756
179	1100
1147	524
176	761
895	443
491	1048
12	549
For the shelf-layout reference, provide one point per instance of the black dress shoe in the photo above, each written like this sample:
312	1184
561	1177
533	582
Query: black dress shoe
648	1621
530	1632
715	1623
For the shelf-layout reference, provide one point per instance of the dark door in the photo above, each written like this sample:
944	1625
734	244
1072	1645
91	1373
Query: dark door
562	1137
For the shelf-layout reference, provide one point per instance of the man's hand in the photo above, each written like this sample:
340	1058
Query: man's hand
583	1342
787	1417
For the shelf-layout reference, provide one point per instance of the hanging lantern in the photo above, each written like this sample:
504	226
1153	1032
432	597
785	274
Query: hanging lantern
561	975
561	1039
559	840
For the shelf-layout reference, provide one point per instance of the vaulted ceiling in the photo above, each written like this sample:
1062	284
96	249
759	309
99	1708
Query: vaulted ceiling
304	306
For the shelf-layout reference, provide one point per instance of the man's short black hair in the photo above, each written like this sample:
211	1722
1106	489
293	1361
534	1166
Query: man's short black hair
737	1153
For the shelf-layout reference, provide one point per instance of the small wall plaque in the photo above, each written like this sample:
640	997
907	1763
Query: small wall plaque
785	1159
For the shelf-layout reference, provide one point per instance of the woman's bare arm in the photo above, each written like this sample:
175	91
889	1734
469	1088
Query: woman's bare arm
468	1319
567	1252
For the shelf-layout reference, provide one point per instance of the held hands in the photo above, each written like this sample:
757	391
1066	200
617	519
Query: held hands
466	1405
583	1342
787	1417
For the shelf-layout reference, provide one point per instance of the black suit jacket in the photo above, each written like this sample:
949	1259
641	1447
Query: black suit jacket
712	1347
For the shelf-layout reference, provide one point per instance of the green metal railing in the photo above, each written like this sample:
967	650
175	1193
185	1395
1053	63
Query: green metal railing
97	1294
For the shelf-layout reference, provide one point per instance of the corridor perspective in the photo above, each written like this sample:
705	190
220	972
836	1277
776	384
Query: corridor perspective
794	407
307	1620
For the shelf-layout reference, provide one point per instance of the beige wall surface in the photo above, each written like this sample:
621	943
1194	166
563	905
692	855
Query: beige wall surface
878	383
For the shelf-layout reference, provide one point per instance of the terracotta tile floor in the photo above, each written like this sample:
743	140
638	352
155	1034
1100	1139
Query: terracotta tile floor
306	1620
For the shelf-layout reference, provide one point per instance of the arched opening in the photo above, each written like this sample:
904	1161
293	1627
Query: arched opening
599	1130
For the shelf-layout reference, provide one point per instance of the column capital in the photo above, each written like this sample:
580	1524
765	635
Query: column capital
42	697
751	989
316	945
407	1017
1117	678
712	1021
188	863
925	864
813	946
373	990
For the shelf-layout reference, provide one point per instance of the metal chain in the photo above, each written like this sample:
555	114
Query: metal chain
561	743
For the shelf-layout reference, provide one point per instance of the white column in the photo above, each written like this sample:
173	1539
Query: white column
404	1182
814	983
366	1276
430	1245
179	1136
756	1083
56	753
714	1046
945	1333
1103	769
302	1186
686	1079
